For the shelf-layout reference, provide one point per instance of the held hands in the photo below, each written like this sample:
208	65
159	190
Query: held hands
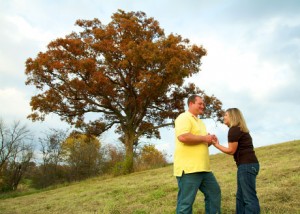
215	141
212	139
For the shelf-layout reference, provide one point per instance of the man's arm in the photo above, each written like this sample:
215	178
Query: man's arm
191	139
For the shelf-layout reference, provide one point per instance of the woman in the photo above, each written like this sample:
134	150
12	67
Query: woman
241	147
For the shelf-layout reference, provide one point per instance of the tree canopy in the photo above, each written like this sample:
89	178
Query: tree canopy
128	72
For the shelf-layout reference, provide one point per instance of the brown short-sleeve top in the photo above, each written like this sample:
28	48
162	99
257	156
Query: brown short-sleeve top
245	151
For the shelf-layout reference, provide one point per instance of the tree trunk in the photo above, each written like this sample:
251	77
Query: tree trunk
128	162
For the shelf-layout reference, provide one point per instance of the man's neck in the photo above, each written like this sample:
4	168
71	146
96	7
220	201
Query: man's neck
195	115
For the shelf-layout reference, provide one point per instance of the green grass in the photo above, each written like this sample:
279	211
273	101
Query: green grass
155	191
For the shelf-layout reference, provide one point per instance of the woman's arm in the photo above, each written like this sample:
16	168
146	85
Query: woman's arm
232	147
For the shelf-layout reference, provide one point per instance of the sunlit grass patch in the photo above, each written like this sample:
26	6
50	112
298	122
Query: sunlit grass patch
155	191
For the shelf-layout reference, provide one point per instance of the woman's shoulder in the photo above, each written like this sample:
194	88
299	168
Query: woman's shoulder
234	128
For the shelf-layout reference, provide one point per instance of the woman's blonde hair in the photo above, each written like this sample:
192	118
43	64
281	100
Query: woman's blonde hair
237	119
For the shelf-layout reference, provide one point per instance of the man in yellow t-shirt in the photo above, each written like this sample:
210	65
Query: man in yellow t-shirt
191	160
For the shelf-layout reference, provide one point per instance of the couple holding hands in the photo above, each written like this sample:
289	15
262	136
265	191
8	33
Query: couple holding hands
191	160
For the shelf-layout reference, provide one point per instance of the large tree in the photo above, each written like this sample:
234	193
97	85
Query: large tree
128	72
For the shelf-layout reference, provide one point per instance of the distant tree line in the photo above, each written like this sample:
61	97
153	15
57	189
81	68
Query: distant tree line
63	156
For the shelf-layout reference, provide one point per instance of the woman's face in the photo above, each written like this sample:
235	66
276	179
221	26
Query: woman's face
226	119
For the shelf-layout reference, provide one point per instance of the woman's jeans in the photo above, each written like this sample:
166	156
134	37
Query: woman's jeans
246	198
188	186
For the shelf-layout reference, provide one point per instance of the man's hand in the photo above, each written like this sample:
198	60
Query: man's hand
211	139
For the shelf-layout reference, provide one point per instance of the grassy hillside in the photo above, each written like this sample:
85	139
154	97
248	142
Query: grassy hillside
155	191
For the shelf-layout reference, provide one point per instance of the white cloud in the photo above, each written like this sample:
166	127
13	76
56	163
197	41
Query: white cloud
13	106
23	30
20	41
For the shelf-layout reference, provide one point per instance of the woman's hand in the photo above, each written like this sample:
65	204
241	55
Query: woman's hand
215	141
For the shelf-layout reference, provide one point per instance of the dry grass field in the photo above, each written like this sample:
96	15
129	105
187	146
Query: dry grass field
155	191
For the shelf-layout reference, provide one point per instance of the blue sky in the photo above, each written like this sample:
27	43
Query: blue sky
253	60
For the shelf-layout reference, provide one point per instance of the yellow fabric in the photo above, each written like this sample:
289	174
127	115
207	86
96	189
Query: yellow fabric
190	158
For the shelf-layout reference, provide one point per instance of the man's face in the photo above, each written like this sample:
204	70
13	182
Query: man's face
198	107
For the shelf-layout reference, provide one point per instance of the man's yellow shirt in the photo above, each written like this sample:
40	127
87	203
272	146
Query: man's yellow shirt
190	158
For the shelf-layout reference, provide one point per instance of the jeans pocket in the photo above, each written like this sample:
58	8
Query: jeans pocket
253	170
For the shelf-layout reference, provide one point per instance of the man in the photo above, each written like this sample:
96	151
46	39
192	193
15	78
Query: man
191	160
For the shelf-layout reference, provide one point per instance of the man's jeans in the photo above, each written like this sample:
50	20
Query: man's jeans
246	198
188	186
